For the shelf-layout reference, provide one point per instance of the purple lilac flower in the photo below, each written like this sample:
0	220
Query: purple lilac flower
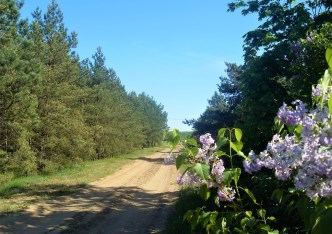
317	91
282	173
217	170
205	154
169	159
253	164
315	174
286	154
307	159
265	160
226	194
206	140
308	126
289	116
190	179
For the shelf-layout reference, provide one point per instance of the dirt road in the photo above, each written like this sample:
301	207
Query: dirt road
136	199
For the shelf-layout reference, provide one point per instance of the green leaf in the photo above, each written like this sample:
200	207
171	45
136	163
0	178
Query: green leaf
323	223
328	56
272	219
192	218
221	132
265	227
325	81
247	222
231	174
187	216
250	194
237	173
219	153
191	142
238	134
202	170
327	202
173	138
261	213
185	167
222	141
278	125
237	146
216	200
204	192
278	195
273	232
227	176
191	151
241	154
330	104
204	218
180	159
248	213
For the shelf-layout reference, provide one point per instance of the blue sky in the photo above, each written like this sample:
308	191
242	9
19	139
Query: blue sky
173	50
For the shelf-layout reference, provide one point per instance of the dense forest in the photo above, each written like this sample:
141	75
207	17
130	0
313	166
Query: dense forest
283	58
56	109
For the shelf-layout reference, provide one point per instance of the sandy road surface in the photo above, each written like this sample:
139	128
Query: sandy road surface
136	199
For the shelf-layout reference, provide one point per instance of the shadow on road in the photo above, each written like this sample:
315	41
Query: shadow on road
95	210
152	160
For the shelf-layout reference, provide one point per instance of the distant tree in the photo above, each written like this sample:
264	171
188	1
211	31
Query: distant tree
109	109
152	117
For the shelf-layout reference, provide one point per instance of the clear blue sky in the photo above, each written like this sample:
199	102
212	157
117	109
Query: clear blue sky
173	50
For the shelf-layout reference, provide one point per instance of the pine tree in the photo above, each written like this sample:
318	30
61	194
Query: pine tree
18	74
62	136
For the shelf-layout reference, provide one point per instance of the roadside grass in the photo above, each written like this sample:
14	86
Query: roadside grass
18	193
188	200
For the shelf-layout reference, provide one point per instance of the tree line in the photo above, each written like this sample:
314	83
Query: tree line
283	57
56	109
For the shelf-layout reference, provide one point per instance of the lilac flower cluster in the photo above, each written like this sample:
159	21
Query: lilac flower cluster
317	91
289	116
190	179
306	158
226	194
217	170
206	140
170	159
206	155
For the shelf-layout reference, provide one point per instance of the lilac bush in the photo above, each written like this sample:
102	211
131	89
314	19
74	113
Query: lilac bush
305	157
206	159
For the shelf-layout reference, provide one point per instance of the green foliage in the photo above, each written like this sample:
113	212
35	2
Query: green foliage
328	56
262	204
282	60
242	215
188	200
56	111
